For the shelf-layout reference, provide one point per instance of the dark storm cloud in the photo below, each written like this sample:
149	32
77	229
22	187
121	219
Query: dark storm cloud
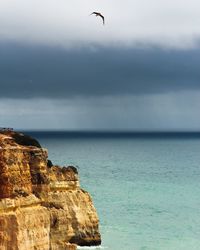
35	71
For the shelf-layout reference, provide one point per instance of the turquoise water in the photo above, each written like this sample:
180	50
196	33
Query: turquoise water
146	190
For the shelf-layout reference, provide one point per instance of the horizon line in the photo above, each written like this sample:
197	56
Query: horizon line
108	131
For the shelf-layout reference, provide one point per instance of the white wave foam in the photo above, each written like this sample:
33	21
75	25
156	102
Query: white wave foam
92	247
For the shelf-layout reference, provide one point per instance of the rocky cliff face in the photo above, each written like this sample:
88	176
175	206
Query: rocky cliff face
42	206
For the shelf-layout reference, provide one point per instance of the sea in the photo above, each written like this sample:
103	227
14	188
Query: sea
145	186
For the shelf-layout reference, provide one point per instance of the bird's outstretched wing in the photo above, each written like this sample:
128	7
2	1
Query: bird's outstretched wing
94	13
102	18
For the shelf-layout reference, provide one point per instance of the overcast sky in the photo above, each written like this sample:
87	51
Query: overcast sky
60	68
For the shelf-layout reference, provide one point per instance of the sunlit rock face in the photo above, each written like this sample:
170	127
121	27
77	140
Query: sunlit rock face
42	206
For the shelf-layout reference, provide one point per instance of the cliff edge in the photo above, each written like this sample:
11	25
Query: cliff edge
42	206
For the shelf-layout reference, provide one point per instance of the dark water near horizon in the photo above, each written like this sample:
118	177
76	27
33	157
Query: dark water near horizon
146	187
113	134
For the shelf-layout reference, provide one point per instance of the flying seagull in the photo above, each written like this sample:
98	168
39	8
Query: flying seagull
100	15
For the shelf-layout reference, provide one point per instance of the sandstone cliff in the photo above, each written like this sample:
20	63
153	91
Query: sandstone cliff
42	206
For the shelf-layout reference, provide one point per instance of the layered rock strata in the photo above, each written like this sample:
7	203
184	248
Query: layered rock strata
42	206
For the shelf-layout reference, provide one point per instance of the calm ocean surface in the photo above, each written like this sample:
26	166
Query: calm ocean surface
146	188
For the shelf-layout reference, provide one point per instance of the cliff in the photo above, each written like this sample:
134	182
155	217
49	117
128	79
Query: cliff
42	206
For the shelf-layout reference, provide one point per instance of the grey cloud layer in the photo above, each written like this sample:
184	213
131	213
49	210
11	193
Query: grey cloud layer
61	68
168	111
172	23
46	72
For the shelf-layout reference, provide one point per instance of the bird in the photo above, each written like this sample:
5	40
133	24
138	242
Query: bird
100	15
